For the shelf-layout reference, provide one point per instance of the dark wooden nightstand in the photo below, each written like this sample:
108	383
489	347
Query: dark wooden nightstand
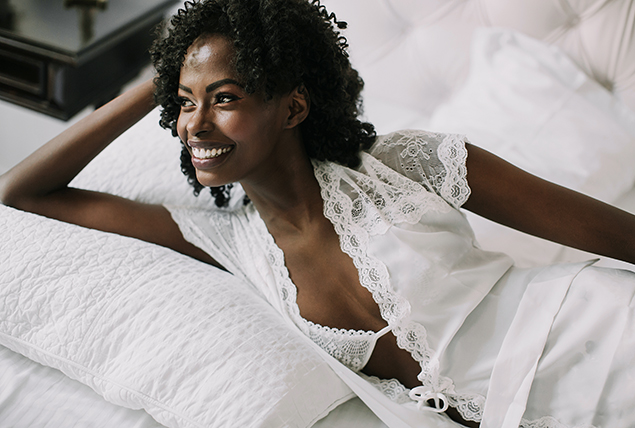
59	56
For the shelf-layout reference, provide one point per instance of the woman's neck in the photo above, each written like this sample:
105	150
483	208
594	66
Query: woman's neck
288	198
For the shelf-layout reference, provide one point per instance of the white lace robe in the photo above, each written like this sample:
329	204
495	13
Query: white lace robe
502	344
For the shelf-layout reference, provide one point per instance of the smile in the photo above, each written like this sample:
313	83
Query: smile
209	153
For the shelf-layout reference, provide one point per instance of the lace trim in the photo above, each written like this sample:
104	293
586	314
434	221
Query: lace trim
391	388
548	422
350	347
454	188
385	197
398	393
379	196
352	227
469	406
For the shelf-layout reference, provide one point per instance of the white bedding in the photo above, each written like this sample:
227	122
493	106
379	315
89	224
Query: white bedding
37	396
33	395
101	313
147	328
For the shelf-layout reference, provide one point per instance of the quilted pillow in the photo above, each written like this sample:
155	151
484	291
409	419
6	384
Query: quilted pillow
148	328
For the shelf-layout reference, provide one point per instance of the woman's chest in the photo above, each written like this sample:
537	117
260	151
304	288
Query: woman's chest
327	282
343	316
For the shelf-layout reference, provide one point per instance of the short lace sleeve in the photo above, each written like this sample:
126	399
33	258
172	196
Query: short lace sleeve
435	160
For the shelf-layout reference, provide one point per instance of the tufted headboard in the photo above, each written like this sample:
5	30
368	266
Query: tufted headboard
424	44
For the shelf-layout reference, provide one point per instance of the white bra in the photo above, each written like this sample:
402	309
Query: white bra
353	348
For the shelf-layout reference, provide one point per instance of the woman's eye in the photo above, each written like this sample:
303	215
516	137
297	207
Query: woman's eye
184	102
225	98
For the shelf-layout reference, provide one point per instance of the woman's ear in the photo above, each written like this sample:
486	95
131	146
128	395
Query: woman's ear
299	106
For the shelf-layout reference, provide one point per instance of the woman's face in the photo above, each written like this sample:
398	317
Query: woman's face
231	135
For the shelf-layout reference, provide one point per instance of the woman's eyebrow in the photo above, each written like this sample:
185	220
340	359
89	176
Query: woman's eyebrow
220	83
185	88
213	86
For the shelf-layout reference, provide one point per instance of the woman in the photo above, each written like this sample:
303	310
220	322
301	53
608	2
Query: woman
361	233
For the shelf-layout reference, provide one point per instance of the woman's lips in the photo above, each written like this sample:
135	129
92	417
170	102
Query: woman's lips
201	153
205	158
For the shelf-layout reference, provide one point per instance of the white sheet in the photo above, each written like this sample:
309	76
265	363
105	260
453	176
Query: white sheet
531	105
36	396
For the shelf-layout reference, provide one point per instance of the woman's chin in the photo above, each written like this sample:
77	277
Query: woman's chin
209	179
206	181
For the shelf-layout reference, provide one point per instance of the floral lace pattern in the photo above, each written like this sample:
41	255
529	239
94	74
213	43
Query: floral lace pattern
350	347
412	154
470	406
454	188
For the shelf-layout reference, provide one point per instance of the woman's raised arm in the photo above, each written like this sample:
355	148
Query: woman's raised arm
510	196
50	168
39	184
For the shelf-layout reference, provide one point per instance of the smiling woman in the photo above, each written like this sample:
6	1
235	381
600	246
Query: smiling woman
359	240
277	46
230	134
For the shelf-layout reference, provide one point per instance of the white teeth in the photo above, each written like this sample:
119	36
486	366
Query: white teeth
209	153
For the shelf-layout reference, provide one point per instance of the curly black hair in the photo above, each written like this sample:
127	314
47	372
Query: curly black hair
279	45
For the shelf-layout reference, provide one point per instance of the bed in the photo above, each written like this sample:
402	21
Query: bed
101	330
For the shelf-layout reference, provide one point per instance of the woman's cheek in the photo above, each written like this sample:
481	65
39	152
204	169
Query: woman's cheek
180	128
243	127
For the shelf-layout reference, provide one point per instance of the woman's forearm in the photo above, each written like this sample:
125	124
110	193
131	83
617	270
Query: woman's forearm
507	195
55	164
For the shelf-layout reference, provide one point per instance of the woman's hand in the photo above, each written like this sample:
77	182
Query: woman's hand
510	196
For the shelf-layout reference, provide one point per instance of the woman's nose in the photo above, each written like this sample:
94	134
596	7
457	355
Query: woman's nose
199	122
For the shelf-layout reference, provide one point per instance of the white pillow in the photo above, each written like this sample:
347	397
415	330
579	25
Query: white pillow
148	328
529	103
